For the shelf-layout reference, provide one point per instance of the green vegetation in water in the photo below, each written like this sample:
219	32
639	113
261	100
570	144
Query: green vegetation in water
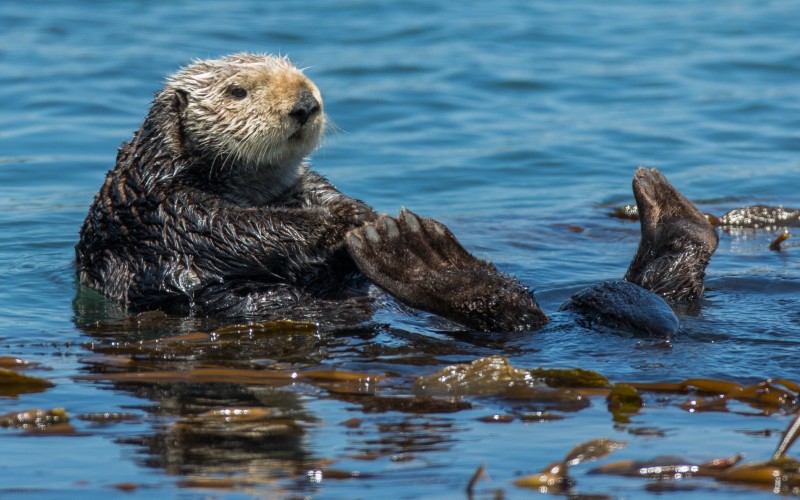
16	363
573	377
781	474
776	243
624	401
554	478
13	384
281	327
34	420
529	395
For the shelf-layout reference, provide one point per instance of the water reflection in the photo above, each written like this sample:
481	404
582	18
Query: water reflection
231	403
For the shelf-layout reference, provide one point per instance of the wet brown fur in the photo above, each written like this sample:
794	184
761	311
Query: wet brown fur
210	208
677	240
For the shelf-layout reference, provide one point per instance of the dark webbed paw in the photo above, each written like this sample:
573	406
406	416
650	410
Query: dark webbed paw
405	249
347	216
677	240
421	263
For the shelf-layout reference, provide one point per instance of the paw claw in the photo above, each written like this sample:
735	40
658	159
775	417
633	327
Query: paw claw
372	234
354	241
390	226
411	220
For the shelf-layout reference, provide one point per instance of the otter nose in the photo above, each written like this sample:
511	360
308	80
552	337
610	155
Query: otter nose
305	107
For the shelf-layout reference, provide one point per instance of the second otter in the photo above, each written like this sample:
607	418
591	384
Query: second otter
212	210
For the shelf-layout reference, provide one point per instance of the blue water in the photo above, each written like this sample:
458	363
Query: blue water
509	121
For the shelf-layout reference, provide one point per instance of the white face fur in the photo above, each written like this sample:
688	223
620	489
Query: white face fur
238	107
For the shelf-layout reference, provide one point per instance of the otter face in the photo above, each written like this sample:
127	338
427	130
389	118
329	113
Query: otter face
248	110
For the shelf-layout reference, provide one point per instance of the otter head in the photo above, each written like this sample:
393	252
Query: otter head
251	116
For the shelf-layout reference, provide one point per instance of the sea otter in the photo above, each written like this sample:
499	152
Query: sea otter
212	210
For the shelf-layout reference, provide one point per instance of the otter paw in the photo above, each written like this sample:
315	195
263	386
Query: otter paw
353	214
398	252
421	263
363	213
677	240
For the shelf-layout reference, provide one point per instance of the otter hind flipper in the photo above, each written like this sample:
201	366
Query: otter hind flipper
421	263
624	307
676	244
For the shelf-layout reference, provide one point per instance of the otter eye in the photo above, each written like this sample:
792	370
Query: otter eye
237	92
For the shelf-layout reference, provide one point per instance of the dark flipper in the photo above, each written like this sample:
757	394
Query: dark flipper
623	306
677	240
421	264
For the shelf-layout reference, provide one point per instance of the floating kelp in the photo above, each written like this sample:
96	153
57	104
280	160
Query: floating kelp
761	217
14	363
218	438
494	376
13	384
627	212
34	420
485	376
623	401
781	474
555	478
186	337
574	377
319	475
663	468
109	417
497	419
214	375
769	396
666	467
776	243
765	395
592	450
760	473
540	416
774	475
221	375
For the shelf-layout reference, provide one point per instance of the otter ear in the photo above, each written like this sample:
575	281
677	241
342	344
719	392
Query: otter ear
180	100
